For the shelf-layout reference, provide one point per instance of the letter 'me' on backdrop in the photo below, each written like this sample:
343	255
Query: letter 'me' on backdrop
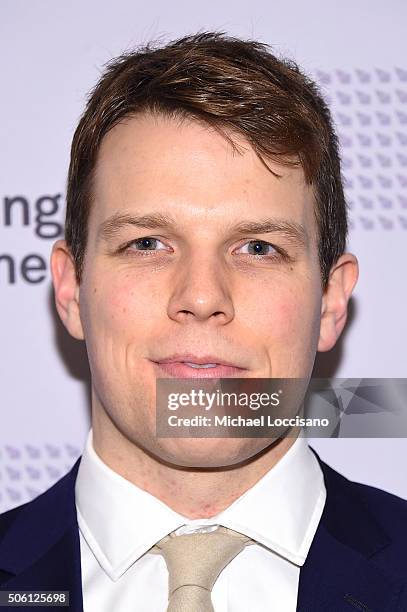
51	55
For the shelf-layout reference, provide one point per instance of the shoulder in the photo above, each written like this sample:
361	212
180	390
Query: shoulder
367	518
382	504
389	512
53	507
8	518
388	509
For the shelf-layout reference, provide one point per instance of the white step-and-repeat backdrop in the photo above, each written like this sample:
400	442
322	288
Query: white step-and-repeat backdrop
51	54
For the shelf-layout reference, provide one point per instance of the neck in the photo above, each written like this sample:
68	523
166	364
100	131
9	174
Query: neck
191	492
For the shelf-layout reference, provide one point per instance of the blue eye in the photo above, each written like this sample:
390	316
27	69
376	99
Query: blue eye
145	244
260	247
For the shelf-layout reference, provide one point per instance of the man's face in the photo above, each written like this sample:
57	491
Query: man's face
195	287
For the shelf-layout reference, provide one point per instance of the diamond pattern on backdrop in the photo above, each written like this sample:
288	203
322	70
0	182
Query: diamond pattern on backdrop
370	112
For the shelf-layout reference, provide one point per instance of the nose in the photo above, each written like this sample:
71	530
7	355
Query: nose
201	293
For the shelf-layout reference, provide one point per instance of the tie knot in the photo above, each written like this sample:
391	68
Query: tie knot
194	562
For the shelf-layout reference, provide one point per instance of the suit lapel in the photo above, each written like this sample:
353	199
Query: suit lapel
339	573
41	549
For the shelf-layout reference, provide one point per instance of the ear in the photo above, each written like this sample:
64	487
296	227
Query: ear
66	288
334	310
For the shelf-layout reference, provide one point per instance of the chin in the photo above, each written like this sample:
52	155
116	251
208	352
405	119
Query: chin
209	452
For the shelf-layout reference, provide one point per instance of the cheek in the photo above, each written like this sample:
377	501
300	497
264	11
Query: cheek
289	315
120	310
292	333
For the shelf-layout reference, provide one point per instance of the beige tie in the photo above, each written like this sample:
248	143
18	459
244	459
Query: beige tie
194	562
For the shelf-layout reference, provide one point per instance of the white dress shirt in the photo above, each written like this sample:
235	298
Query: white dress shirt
119	523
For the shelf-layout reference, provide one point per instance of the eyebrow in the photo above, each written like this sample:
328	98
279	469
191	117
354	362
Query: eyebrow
291	230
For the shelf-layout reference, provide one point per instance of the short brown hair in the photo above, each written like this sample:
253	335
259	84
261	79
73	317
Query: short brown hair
233	85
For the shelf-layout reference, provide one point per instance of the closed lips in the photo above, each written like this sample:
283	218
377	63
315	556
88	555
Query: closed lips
200	365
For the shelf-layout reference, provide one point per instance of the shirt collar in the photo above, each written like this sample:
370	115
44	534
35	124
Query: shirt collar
120	521
283	509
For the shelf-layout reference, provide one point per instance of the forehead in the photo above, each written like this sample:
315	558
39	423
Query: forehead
151	163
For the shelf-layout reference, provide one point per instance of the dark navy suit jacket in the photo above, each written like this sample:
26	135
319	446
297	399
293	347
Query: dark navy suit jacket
357	560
